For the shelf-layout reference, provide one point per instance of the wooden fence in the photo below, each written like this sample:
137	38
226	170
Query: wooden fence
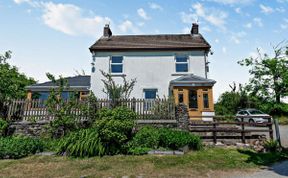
38	110
233	129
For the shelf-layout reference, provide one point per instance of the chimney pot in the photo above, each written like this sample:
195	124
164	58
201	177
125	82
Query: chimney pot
195	29
107	31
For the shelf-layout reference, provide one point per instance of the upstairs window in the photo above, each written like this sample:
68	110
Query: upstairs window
116	64
181	64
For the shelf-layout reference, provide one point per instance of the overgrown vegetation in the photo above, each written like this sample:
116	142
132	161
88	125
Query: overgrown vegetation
19	147
116	92
267	85
149	138
82	143
3	127
13	83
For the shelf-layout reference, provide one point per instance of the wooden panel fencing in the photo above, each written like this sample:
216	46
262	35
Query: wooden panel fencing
230	129
145	109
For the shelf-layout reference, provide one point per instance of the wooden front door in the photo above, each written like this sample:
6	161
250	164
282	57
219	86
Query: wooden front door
197	99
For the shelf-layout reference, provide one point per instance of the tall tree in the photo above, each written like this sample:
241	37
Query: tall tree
13	83
269	75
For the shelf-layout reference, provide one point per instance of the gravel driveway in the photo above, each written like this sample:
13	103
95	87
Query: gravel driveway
275	171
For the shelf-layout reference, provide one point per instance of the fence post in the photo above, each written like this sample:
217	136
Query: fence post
134	104
214	133
243	130
277	132
270	128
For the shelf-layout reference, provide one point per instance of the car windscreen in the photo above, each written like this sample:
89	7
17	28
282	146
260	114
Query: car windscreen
255	112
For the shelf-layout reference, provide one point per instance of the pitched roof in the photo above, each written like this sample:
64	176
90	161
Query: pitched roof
150	42
192	80
78	82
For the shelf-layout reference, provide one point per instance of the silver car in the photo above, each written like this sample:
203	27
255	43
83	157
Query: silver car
252	112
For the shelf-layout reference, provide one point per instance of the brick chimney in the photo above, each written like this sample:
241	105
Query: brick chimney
107	31
195	29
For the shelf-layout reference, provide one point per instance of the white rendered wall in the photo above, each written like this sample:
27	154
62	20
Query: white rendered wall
152	70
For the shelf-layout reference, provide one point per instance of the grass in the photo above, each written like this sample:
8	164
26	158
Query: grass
193	164
283	120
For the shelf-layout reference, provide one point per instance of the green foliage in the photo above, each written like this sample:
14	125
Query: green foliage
115	128
271	145
3	127
62	110
148	138
269	75
175	139
115	91
19	147
138	150
13	83
82	143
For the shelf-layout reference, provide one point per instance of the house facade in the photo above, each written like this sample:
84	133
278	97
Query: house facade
163	65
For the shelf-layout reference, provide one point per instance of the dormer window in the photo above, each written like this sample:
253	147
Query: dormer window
181	64
116	64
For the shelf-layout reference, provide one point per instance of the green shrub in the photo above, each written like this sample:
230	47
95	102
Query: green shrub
82	143
175	139
18	147
3	127
271	145
114	127
61	126
149	138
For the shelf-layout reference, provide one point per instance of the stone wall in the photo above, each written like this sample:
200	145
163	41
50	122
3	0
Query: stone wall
182	117
27	128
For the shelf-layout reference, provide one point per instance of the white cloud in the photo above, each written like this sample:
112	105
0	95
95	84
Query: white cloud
238	10
230	2
213	16
22	1
280	9
217	40
248	25
69	19
155	6
141	12
128	26
258	21
266	9
236	37
224	50
284	25
188	17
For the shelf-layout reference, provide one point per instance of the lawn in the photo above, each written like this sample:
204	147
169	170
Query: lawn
193	164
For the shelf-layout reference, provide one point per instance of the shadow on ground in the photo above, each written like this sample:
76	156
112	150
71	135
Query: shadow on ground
267	159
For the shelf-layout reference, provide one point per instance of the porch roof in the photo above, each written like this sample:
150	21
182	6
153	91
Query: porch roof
192	80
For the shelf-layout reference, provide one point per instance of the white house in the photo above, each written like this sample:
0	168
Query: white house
163	65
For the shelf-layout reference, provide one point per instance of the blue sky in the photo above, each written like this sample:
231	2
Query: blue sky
54	36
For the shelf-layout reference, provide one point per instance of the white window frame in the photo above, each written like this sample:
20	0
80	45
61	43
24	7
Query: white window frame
187	62
122	63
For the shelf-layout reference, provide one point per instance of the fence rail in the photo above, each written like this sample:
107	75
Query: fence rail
144	108
230	128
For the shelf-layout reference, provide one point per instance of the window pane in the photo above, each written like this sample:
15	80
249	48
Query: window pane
150	94
43	95
181	67
181	59
116	68
205	100
180	98
193	99
117	59
65	95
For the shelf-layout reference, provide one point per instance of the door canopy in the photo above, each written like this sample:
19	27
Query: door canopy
192	80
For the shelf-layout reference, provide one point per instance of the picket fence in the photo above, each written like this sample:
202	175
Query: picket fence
37	109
